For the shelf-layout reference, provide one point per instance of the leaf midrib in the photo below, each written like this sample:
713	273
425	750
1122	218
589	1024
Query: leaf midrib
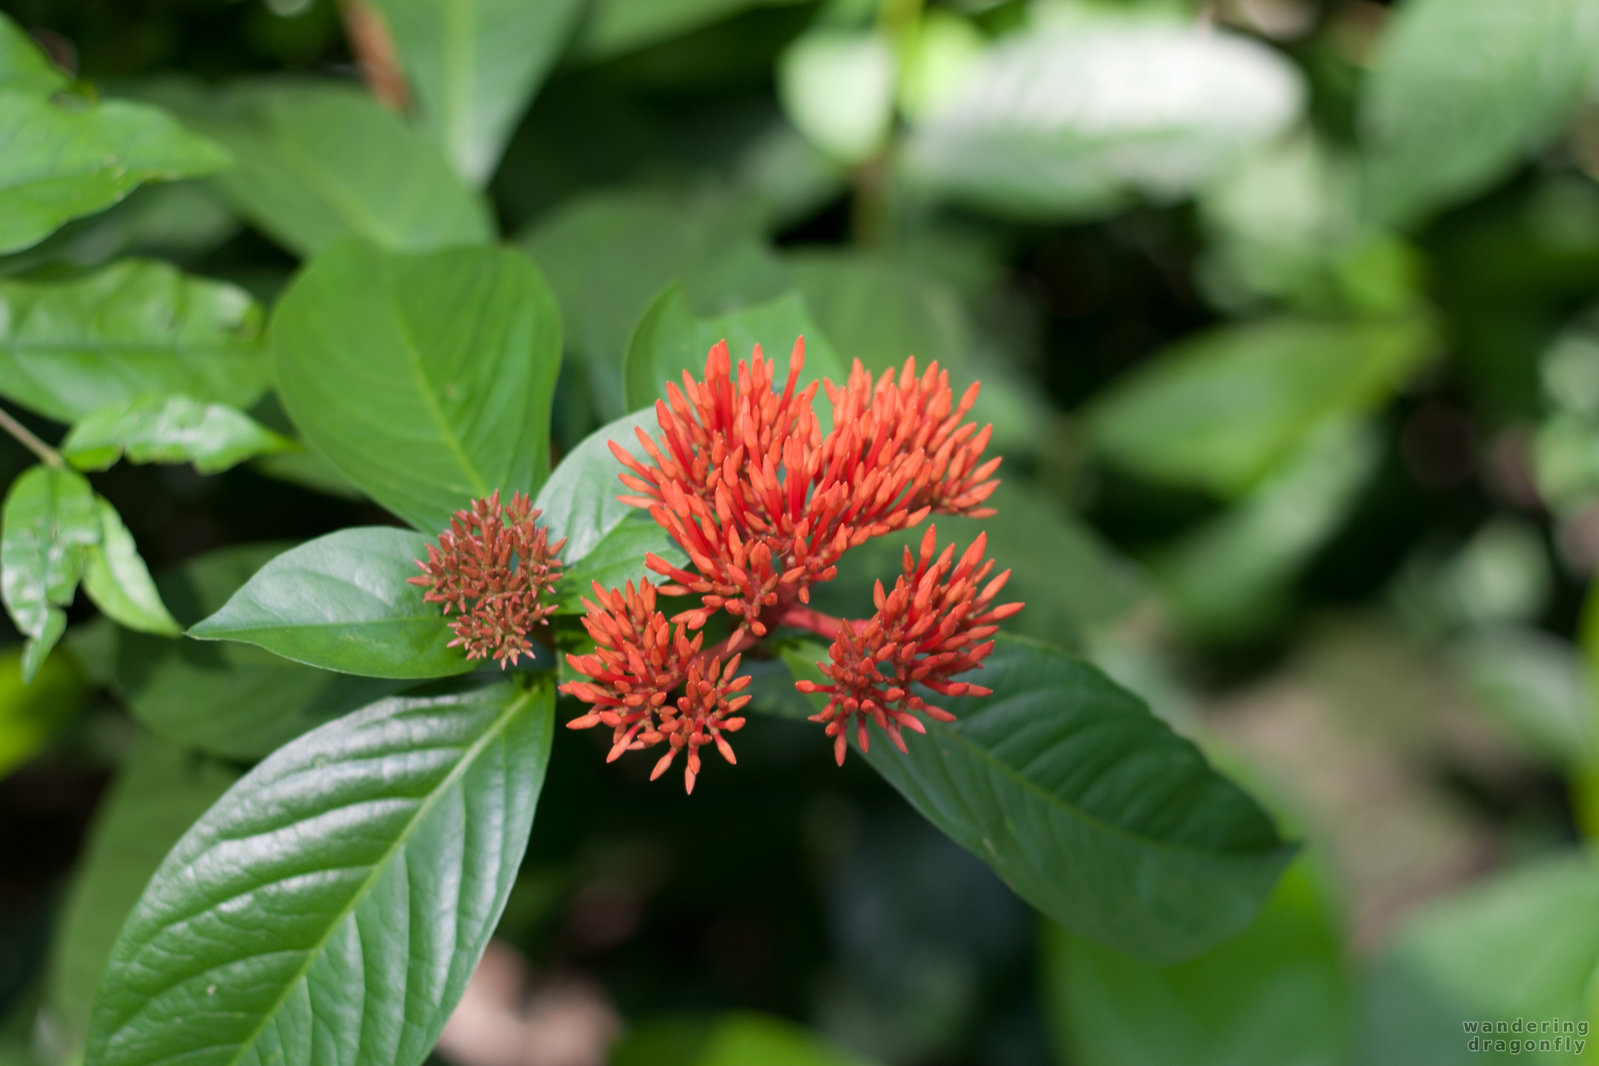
379	868
937	729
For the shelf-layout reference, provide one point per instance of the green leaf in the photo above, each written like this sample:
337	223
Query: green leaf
49	522
1087	806
233	700
32	713
742	1038
1231	577
609	255
424	379
1220	410
160	791
332	905
64	157
1463	91
1277	994
1074	121
1536	687
1521	944
670	339
169	429
342	602
606	540
24	67
129	330
318	162
117	580
616	26
878	311
837	87
474	65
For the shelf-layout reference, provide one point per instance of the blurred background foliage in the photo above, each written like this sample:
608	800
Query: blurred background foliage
1285	313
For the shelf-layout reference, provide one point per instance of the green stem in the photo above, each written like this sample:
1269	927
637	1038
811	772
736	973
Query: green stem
47	455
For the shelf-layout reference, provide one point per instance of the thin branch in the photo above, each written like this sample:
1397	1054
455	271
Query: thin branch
48	455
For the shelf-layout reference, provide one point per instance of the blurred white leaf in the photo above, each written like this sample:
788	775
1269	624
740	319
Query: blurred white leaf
838	88
1071	120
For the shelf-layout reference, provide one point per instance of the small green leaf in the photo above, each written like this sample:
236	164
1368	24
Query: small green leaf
1232	576
1220	410
331	906
474	65
1464	90
32	713
1276	994
117	580
606	539
608	256
127	331
743	1038
24	67
343	602
233	700
49	522
159	792
169	429
64	157
318	162
1087	806
670	339
424	379
837	87
1074	121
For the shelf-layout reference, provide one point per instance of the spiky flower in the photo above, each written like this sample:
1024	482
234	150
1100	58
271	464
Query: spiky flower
494	568
935	624
764	504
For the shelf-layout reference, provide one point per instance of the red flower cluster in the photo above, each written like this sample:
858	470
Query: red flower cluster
639	659
492	566
764	503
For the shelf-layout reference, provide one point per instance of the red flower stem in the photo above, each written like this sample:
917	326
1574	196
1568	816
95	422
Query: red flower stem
801	617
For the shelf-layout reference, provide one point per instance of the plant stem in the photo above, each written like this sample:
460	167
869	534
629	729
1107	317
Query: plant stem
48	455
801	617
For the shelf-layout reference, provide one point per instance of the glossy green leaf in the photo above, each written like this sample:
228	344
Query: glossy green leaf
117	580
424	379
33	712
743	1038
1277	994
331	906
24	67
615	26
48	524
837	87
606	540
1219	410
62	157
473	65
318	162
343	602
1522	944
159	792
1088	806
127	331
671	338
1073	121
1462	91
169	429
233	700
609	255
